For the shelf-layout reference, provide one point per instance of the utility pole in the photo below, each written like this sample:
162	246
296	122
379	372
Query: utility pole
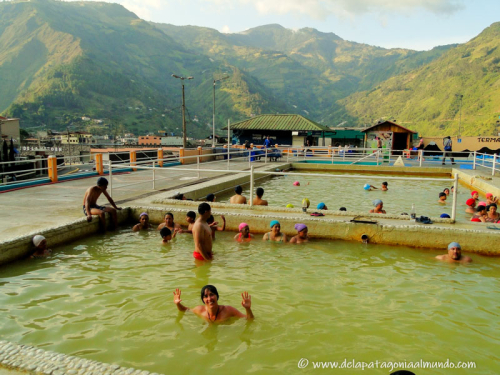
460	97
213	119
183	109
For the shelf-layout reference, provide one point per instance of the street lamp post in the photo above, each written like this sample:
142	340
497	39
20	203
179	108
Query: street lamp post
183	109
213	118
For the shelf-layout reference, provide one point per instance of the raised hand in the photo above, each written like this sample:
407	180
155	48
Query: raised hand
177	296
247	300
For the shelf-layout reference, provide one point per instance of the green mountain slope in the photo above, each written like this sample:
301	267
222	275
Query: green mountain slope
427	99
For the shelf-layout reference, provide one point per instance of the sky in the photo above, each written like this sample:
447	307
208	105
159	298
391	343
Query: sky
413	24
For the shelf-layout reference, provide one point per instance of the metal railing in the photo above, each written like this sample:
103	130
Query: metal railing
486	161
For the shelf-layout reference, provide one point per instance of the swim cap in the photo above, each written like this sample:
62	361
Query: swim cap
482	204
296	183
489	195
101	181
274	222
376	202
445	216
210	197
37	240
300	227
144	214
320	206
474	192
470	202
454	244
366	187
306	202
242	225
475	219
289	205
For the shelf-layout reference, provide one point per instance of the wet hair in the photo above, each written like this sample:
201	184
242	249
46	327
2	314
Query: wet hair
179	196
191	214
164	232
203	207
210	288
169	213
101	181
211	219
385	183
480	208
342	209
238	189
446	189
442	194
210	197
259	192
490	205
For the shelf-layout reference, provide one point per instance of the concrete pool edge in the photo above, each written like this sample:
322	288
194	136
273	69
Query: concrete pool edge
26	358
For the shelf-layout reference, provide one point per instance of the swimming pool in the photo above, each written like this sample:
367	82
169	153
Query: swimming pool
109	298
349	193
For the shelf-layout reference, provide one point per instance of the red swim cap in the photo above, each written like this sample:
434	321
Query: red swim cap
470	202
474	192
475	219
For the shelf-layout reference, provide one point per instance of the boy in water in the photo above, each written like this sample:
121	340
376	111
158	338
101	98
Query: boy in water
384	186
442	197
190	218
166	235
258	201
238	198
202	234
90	206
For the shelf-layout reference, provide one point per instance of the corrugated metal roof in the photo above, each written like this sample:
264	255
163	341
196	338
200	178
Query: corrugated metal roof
279	122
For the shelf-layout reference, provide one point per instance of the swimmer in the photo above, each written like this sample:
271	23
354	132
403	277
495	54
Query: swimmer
211	197
301	234
442	198
446	191
321	206
275	235
169	223
202	234
296	183
90	206
212	311
384	186
41	250
369	187
490	199
143	223
238	198
180	197
492	215
342	209
306	203
166	235
471	206
190	218
244	235
258	201
289	205
213	225
480	214
379	205
454	254
475	195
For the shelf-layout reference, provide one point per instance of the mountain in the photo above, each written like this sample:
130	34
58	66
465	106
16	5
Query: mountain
428	98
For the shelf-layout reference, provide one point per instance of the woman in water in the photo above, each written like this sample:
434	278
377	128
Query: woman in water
244	235
492	215
169	223
143	223
41	250
301	234
275	235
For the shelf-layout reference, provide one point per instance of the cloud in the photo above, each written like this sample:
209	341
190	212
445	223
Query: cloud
225	29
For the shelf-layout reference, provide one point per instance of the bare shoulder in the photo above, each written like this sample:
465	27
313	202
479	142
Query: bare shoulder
230	311
293	239
442	257
198	310
466	259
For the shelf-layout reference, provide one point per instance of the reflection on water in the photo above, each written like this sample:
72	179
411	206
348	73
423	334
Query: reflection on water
110	299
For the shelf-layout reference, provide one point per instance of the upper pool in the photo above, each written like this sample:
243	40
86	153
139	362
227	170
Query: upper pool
349	193
109	298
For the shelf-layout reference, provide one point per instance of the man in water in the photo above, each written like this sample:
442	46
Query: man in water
202	234
90	206
211	311
454	254
379	205
258	201
447	144
238	198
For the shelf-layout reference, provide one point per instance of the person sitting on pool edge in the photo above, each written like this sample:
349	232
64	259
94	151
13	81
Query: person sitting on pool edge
166	235
244	235
41	250
442	198
384	186
202	234
258	201
143	223
90	206
492	215
211	311
169	223
321	206
210	197
214	225
238	198
379	205
275	235
301	234
454	254
471	206
190	218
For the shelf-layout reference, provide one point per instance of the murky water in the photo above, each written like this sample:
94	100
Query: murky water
109	298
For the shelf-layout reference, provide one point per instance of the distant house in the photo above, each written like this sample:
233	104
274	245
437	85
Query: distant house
392	135
149	140
171	141
9	129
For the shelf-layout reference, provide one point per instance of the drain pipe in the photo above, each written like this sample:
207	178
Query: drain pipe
364	238
454	208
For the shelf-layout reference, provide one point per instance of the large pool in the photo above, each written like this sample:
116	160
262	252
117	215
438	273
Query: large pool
349	193
110	299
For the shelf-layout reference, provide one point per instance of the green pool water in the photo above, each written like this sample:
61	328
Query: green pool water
349	193
109	298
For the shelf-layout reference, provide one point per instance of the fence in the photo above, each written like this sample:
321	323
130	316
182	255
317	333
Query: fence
486	161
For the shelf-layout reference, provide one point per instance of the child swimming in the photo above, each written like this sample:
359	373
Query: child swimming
244	235
442	197
166	235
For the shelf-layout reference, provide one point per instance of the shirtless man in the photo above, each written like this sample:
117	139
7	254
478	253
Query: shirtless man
214	225
190	218
202	234
379	205
258	201
454	254
169	223
90	206
212	311
238	198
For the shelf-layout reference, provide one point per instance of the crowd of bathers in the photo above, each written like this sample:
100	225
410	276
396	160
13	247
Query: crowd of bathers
483	211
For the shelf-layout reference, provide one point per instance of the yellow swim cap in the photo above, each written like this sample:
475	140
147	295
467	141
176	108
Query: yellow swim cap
289	205
306	202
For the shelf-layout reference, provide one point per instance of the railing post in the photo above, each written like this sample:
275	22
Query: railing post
133	159
52	164
160	157
265	160
474	165
421	152
494	162
251	186
198	165
333	153
110	169
181	155
378	155
99	166
454	207
154	176
288	155
249	158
